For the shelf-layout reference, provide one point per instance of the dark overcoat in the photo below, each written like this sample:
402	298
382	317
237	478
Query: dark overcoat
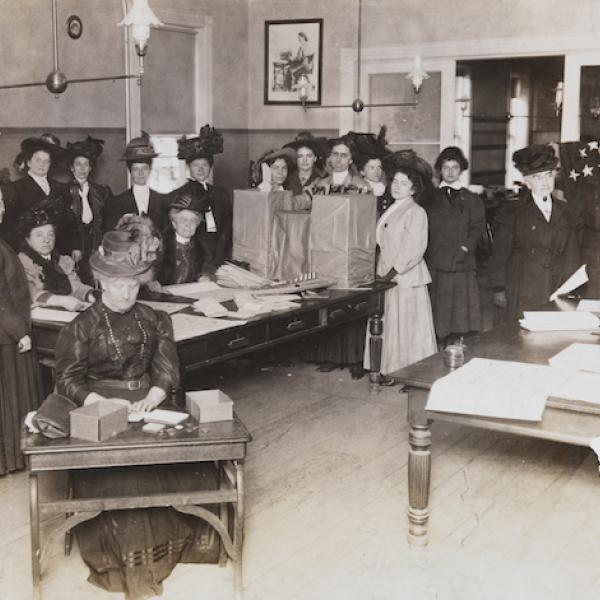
166	269
15	301
531	257
124	203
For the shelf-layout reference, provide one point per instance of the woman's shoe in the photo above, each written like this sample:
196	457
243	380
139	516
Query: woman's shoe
357	372
386	380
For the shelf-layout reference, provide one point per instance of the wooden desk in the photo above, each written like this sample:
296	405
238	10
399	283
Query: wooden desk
334	308
506	342
223	442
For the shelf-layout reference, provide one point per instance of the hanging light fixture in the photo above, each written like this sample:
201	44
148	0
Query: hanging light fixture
140	19
358	104
418	74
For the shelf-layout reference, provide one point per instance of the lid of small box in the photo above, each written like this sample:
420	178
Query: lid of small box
208	397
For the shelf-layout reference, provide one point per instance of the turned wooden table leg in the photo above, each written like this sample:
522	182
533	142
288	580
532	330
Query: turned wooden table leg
419	467
238	532
375	345
36	571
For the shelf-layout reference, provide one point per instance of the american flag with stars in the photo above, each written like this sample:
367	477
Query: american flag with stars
579	169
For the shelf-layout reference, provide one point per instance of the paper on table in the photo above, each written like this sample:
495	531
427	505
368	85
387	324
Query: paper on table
578	278
40	313
168	307
551	320
210	307
589	305
186	326
581	357
581	386
496	388
190	289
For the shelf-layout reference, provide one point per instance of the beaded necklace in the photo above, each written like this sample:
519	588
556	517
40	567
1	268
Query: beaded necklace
111	335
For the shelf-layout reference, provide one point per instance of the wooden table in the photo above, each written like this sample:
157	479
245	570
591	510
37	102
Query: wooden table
506	342
223	442
333	308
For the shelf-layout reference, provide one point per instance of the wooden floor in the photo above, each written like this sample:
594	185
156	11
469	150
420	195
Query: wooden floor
327	496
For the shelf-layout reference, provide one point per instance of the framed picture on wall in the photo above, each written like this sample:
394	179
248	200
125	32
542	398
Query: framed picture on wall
293	61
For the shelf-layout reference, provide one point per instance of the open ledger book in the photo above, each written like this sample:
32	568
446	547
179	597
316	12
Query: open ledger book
513	390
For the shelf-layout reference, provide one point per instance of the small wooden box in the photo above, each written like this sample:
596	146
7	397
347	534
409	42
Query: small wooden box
98	421
209	405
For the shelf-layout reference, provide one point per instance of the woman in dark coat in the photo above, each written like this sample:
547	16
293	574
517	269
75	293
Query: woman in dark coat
535	243
121	349
310	155
456	225
20	383
88	200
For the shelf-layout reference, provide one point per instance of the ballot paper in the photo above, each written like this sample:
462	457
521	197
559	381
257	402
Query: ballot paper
186	326
167	417
580	357
168	307
497	388
40	313
552	320
578	278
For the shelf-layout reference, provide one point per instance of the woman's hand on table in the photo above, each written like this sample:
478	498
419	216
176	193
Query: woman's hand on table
24	344
153	398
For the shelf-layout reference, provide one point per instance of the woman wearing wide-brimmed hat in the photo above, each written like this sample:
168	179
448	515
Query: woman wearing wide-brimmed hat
310	157
121	350
535	243
408	332
456	227
20	384
215	230
52	278
35	159
88	200
140	198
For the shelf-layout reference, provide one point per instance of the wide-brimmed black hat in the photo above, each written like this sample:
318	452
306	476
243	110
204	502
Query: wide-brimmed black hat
47	142
318	145
90	148
535	159
451	153
208	143
139	149
187	201
36	217
366	146
119	255
407	160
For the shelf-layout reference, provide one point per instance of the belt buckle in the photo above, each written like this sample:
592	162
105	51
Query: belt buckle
134	385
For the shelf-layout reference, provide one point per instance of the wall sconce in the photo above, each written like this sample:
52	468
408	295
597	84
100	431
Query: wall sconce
417	75
595	106
303	86
140	18
559	96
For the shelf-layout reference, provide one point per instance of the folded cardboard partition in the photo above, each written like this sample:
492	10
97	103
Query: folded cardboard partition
209	405
342	239
290	256
98	421
253	213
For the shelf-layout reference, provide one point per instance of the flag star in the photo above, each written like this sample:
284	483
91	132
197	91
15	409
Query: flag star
587	170
593	146
574	175
582	153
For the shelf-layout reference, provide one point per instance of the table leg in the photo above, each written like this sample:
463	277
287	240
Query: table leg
375	345
238	532
419	481
34	519
223	513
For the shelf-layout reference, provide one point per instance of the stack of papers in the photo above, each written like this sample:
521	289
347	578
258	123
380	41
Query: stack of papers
580	357
168	307
543	320
186	326
166	417
192	289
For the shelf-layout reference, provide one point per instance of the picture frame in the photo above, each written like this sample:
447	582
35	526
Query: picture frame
293	58
74	27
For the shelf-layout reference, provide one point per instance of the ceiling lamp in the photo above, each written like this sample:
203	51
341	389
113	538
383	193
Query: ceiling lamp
140	19
417	75
358	105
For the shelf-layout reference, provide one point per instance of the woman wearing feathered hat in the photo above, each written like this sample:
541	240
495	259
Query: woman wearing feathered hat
535	243
123	351
35	159
88	200
456	226
140	198
215	231
408	333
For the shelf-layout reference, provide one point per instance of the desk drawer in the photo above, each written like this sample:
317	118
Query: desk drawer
348	311
230	341
293	324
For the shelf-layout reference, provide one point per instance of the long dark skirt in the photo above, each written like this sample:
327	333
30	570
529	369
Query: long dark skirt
455	302
134	551
20	393
344	345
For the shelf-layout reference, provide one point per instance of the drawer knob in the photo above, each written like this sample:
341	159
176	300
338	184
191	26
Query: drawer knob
361	306
240	342
295	325
337	313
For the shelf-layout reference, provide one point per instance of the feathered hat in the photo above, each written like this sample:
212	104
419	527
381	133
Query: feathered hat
90	148
208	143
366	146
139	149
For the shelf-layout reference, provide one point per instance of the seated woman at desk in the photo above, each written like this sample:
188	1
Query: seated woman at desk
52	278
120	349
183	256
